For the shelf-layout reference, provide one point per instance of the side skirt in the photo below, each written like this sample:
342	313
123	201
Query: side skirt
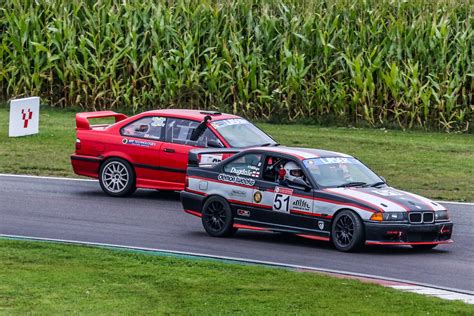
260	226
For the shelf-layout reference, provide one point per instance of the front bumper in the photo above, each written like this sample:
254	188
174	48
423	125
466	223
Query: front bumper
408	234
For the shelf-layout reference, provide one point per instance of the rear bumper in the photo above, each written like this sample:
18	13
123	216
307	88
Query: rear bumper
86	165
408	234
192	202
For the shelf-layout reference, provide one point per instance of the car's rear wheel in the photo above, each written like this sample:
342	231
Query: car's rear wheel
217	217
347	231
117	178
423	247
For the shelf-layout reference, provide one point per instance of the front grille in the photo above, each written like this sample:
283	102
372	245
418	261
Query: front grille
415	217
421	217
428	217
421	237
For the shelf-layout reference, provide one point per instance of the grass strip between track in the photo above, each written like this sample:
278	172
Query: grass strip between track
436	165
54	278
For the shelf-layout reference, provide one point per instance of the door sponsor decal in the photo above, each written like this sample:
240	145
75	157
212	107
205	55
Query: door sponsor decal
281	200
235	179
243	213
301	205
257	197
135	142
321	225
238	193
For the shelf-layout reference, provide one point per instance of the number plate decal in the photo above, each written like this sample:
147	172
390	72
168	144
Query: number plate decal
281	200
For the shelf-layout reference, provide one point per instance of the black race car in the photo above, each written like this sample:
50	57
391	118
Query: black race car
315	194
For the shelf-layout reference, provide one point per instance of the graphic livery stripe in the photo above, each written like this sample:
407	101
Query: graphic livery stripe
138	165
222	182
370	242
195	192
250	204
310	214
313	237
355	198
381	198
419	199
332	201
249	227
193	213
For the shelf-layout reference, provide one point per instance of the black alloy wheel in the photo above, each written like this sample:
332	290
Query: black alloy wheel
347	232
217	217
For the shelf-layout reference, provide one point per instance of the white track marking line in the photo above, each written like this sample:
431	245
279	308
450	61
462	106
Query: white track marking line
94	180
44	177
404	285
448	295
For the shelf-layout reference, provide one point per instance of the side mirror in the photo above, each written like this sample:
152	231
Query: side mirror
383	179
214	144
198	131
300	183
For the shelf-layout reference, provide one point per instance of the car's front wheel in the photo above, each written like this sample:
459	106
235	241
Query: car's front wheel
117	178
347	231
217	217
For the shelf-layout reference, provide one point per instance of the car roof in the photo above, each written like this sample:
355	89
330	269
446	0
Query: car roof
301	153
196	115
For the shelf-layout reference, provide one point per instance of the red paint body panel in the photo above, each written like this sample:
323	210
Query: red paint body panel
159	165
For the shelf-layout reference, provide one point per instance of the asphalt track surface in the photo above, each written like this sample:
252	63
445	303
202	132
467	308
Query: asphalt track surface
78	210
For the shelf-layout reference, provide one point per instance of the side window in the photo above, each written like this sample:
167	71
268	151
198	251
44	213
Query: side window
147	127
247	165
179	131
272	167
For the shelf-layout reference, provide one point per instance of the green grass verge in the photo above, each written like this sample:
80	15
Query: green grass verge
437	165
43	278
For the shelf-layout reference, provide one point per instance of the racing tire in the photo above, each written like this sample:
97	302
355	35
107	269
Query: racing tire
347	231
423	247
117	178
217	218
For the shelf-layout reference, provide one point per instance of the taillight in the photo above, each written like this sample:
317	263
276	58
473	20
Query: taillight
78	144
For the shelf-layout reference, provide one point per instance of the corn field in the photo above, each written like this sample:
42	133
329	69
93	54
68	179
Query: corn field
373	62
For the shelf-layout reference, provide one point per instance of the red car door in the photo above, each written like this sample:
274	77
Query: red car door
142	141
175	149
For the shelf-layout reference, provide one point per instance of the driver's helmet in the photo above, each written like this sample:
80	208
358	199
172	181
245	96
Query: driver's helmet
292	171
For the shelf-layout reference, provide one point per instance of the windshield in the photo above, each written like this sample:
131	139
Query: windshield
340	172
241	133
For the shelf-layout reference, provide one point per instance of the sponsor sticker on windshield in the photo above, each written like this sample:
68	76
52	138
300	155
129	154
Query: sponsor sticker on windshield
228	122
311	163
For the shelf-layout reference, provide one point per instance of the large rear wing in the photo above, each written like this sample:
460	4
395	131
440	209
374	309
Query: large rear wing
82	119
208	157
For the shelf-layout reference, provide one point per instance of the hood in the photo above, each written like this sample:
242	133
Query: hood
387	199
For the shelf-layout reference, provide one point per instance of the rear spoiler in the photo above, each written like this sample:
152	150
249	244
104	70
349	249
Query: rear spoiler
208	157
82	119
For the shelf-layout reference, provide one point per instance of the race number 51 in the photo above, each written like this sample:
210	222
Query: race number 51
281	200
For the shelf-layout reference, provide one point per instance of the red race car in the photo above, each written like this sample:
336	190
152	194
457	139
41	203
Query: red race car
150	150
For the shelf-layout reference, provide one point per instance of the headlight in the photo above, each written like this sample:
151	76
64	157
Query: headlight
441	215
389	217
